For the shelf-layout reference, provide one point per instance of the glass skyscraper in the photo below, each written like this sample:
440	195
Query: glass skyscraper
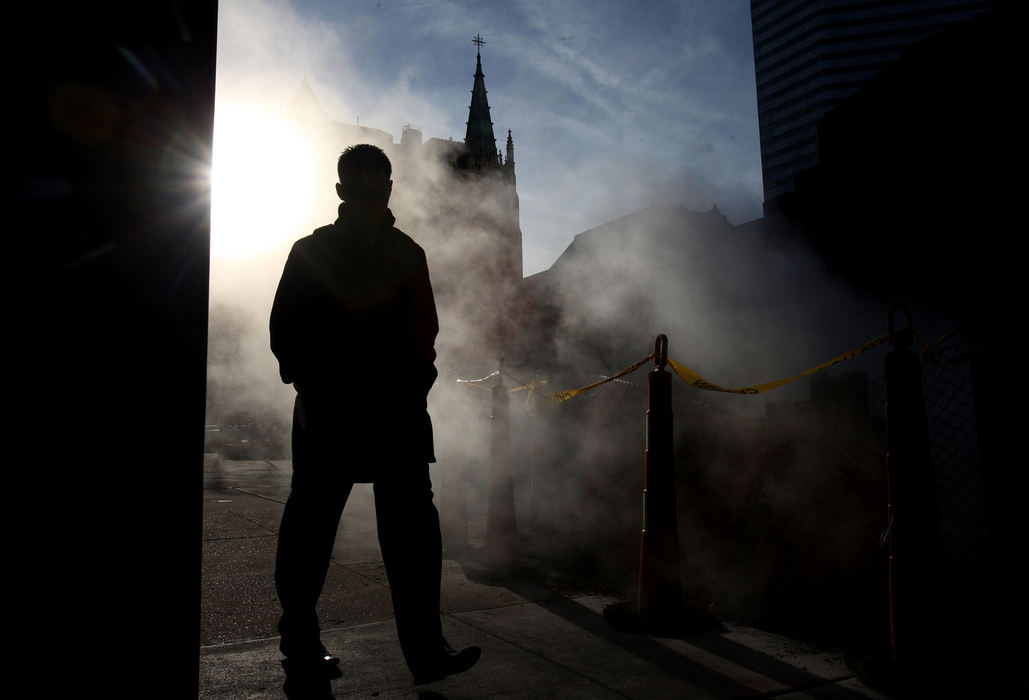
809	55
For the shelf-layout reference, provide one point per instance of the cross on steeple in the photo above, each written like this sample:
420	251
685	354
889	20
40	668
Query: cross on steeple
481	143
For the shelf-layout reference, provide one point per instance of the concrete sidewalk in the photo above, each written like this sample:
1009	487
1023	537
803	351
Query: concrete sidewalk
559	648
543	633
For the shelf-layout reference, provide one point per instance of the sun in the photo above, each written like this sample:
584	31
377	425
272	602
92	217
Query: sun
262	183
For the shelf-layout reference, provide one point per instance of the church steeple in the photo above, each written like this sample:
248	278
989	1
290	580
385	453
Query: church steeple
305	105
479	138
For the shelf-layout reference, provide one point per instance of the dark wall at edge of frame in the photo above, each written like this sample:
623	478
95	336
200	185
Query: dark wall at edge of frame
108	289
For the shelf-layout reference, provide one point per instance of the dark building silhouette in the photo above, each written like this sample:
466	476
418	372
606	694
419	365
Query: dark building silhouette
913	199
912	195
810	55
711	286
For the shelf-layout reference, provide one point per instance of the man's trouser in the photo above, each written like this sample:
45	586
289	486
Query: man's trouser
409	536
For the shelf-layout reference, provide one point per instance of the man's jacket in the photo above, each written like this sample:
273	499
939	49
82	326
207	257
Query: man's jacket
353	326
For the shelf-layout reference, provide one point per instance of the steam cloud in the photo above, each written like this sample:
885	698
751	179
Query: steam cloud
740	305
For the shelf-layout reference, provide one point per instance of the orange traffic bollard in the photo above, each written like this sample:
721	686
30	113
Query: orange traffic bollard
660	582
660	606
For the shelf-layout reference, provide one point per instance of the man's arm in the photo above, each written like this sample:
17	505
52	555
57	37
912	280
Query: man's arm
286	324
424	321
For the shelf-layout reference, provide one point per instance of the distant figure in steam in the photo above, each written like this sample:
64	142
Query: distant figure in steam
353	326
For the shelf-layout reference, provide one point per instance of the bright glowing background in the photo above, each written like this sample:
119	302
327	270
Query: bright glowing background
262	181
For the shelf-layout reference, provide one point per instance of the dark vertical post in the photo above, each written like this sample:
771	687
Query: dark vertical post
1005	484
534	405
454	477
501	527
660	583
915	574
661	607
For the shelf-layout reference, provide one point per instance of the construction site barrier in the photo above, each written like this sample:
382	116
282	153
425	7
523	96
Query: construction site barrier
913	525
929	353
684	373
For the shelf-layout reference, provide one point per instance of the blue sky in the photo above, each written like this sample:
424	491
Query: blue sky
613	106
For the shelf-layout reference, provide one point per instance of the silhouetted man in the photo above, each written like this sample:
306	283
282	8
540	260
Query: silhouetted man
353	327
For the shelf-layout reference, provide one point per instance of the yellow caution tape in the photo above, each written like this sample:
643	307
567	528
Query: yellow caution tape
932	352
531	388
478	383
562	396
685	373
694	379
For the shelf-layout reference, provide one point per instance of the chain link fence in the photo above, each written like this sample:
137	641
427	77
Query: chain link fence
954	448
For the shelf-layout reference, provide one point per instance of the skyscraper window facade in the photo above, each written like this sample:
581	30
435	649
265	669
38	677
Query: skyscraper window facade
809	55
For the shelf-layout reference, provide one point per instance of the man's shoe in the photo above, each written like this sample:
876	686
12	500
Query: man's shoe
317	668
325	656
447	663
307	689
311	649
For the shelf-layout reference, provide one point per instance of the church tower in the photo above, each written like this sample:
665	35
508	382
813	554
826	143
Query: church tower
481	152
472	232
482	160
480	143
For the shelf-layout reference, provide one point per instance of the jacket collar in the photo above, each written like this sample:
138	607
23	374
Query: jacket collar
344	225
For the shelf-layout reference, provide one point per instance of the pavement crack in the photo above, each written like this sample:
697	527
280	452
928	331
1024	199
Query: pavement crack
252	521
259	495
543	657
363	575
241	537
801	688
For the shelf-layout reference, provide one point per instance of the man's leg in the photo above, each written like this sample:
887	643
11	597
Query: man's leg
306	536
412	550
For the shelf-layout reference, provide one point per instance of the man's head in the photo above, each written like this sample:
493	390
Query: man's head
364	183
